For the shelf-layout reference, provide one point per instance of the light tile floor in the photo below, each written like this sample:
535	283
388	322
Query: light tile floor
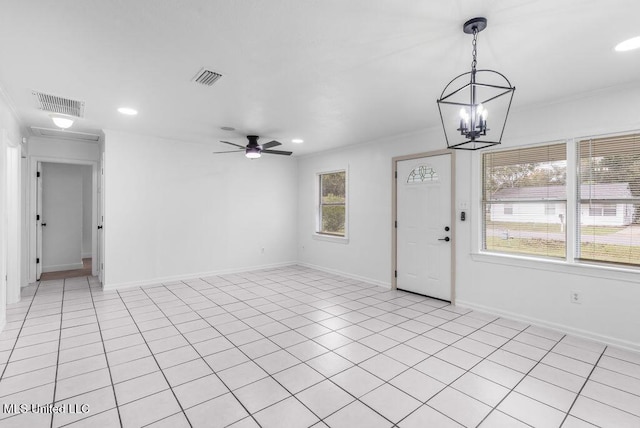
295	347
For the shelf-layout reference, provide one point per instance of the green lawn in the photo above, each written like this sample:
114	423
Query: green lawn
551	228
550	248
539	247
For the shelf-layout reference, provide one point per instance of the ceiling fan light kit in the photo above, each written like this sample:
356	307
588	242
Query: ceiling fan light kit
466	101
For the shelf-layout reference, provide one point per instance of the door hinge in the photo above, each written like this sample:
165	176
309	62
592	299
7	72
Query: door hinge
38	174
396	174
37	216
37	261
395	273
396	222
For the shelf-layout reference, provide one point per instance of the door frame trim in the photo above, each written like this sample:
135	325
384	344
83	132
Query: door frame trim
33	167
394	214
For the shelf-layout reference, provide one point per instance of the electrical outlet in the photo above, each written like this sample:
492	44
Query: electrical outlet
575	296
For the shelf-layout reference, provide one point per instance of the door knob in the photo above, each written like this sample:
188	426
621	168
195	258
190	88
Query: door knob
446	228
44	224
446	238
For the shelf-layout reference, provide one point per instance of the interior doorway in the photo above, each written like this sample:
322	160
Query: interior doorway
424	252
64	217
64	205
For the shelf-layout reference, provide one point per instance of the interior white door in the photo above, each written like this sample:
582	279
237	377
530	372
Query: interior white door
100	234
39	221
423	192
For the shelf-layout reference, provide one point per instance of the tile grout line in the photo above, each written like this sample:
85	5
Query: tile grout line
356	341
377	353
55	379
518	383
301	362
601	402
13	348
583	385
236	347
450	384
156	361
292	395
104	349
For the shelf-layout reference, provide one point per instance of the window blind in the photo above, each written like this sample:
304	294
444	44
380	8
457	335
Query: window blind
608	206
525	200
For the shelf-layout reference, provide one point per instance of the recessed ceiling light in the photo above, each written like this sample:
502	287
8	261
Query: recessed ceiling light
61	121
629	44
128	111
297	141
227	128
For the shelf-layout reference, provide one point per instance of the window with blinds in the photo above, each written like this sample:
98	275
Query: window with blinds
525	201
608	209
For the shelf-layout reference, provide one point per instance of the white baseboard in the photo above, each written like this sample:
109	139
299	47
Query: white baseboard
561	328
186	277
3	324
347	275
57	268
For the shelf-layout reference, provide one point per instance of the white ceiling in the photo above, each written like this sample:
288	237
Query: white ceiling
332	72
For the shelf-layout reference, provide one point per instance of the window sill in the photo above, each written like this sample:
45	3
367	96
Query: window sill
579	268
330	238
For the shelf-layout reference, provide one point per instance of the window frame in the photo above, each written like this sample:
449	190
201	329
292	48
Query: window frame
571	264
509	204
318	233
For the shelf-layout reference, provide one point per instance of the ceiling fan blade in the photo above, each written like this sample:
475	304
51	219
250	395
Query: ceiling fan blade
230	151
277	152
271	144
233	144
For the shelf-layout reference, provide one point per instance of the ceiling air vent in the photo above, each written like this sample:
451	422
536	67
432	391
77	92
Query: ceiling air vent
206	77
56	104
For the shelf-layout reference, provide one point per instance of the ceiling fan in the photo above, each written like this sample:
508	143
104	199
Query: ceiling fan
254	150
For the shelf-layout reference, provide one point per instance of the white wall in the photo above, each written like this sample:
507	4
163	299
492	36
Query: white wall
175	210
536	292
62	212
87	212
12	133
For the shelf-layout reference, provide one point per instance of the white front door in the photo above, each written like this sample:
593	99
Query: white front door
423	191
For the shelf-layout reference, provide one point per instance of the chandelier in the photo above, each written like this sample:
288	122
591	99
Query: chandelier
467	100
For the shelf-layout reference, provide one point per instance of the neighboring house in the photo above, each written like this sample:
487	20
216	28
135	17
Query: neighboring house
607	206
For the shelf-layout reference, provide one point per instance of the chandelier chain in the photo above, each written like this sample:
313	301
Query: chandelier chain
474	51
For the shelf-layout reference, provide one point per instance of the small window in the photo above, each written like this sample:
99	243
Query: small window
333	200
507	209
602	210
421	174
